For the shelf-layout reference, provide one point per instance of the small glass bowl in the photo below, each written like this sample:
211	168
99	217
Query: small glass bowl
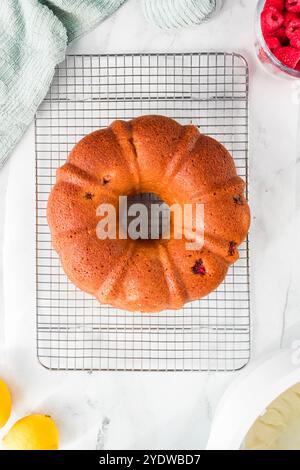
266	57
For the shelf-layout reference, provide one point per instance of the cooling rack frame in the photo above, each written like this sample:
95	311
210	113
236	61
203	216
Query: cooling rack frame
73	331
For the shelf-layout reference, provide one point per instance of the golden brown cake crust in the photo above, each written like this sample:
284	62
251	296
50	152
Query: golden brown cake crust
148	154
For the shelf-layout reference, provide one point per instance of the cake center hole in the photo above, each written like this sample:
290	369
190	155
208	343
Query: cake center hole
145	216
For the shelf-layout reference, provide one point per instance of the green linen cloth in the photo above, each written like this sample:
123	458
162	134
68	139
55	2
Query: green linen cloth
33	38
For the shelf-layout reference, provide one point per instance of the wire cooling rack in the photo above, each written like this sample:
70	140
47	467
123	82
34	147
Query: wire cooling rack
88	92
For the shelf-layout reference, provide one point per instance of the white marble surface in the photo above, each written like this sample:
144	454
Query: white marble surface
156	410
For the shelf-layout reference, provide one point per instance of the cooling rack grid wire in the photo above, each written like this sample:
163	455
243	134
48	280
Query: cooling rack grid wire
88	92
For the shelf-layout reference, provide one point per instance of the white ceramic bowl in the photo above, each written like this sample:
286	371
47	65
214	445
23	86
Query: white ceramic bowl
249	395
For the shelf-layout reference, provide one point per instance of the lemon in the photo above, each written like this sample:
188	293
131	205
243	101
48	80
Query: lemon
34	432
5	403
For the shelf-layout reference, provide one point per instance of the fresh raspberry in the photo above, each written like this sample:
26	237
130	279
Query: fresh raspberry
271	19
295	40
293	5
279	4
288	56
293	28
281	35
272	43
293	33
289	16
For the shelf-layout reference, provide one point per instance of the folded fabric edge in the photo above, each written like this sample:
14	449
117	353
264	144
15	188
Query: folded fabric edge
86	17
43	63
17	128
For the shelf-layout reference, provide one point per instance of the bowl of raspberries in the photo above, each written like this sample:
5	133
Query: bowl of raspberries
278	33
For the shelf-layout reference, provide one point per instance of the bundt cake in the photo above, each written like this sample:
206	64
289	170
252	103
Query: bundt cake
150	154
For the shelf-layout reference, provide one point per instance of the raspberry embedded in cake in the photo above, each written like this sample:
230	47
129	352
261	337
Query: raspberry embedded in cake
199	268
238	199
232	248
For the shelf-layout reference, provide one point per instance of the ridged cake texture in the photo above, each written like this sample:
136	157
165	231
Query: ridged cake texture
150	154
